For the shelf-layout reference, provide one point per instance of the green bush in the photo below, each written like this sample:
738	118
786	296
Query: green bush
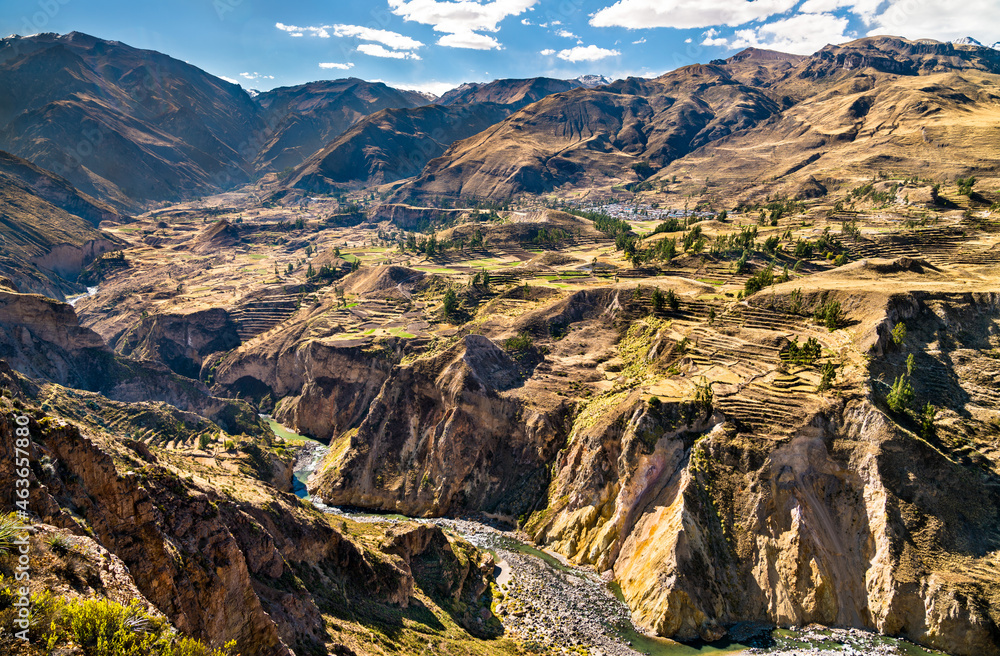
965	185
105	628
806	354
519	343
10	529
830	315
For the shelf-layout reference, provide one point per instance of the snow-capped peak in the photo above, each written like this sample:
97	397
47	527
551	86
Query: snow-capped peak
591	81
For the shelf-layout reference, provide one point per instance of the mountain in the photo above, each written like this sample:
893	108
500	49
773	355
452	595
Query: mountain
966	41
757	67
758	115
131	126
592	135
507	92
591	81
122	124
393	144
48	229
876	104
304	118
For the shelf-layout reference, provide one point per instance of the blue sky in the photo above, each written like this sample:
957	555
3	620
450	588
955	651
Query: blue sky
434	45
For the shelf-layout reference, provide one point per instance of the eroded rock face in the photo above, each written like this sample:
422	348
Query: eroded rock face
441	436
41	338
325	388
830	526
216	567
181	341
209	596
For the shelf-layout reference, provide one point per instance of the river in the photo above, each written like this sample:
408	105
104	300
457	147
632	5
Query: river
73	300
549	601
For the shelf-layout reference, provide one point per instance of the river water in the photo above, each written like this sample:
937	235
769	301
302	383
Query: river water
73	300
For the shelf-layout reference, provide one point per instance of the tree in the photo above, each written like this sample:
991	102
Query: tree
829	373
671	298
965	185
830	315
899	334
927	421
310	273
658	299
900	395
703	396
911	364
450	302
291	267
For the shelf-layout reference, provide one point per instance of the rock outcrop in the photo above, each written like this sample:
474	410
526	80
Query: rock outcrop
42	338
441	436
181	341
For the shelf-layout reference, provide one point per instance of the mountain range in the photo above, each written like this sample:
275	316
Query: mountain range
764	116
134	126
129	128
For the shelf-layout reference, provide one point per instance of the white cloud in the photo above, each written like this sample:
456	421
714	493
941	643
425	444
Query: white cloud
802	34
394	40
921	19
256	76
320	30
864	8
525	21
344	67
547	52
640	41
376	50
566	34
228	79
470	40
685	14
461	21
588	53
